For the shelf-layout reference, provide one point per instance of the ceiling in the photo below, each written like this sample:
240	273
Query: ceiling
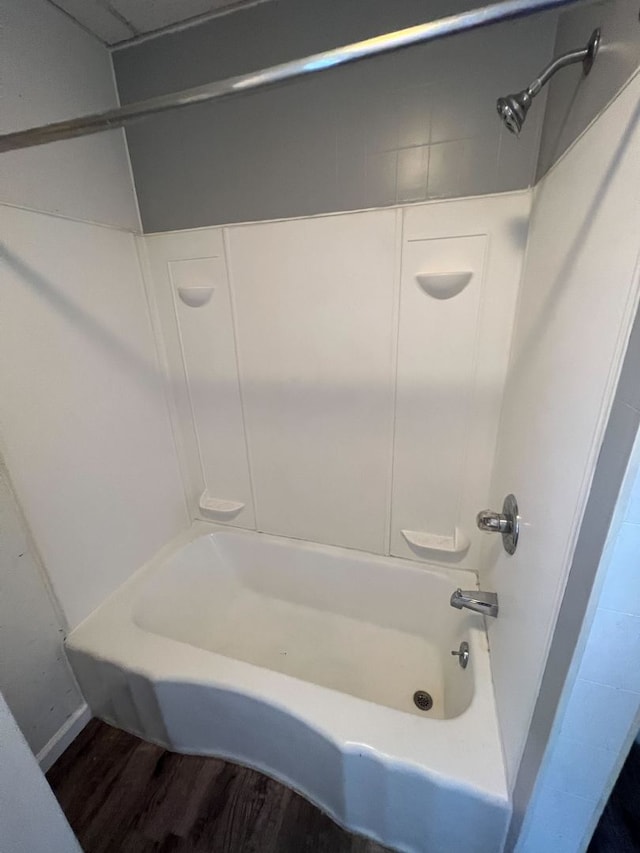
114	21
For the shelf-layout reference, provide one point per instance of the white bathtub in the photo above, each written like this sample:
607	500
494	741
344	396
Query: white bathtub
302	660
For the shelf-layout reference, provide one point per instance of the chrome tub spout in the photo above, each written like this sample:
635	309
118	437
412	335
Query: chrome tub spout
472	599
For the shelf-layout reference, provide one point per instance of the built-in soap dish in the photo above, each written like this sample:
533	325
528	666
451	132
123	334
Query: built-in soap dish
218	508
456	544
444	285
195	297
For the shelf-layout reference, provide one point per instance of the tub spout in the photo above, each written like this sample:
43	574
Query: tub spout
472	599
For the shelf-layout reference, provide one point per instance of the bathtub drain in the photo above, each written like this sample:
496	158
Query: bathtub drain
423	700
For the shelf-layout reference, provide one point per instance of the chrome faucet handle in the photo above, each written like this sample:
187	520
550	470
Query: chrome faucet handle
492	522
506	523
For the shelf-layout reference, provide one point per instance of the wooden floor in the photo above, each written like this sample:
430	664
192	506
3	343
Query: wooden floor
123	795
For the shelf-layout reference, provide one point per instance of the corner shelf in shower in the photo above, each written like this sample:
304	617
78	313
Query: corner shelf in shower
217	507
456	544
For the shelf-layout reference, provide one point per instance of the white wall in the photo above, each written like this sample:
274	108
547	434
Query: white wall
84	428
599	714
577	302
321	392
36	679
51	69
82	410
31	820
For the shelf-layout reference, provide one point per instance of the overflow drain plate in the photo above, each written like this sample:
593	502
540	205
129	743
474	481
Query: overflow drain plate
423	700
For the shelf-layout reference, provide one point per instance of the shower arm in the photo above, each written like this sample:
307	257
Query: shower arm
584	55
420	34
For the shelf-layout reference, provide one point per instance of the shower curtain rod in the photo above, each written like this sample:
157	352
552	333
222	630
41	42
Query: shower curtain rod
431	31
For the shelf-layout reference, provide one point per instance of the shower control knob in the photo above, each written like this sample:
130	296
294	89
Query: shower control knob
506	522
492	522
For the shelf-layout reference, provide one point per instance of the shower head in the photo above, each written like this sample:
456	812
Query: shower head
513	109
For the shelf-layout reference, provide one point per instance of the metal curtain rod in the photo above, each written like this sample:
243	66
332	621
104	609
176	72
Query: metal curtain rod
431	31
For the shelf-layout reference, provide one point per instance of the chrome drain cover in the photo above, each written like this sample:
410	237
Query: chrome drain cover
423	700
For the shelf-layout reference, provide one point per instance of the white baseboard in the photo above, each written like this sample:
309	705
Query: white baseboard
65	735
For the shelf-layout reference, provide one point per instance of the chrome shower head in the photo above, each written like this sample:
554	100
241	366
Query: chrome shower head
513	109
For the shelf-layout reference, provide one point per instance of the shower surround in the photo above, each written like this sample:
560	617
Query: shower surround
343	379
337	380
323	390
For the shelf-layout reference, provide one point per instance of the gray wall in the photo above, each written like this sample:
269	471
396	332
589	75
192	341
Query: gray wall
406	127
573	100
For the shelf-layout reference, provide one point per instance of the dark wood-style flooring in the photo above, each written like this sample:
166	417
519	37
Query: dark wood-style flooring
123	795
618	830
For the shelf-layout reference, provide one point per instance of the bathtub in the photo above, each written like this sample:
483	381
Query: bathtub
302	661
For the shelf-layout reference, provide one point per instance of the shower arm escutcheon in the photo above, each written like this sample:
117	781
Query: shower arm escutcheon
513	108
